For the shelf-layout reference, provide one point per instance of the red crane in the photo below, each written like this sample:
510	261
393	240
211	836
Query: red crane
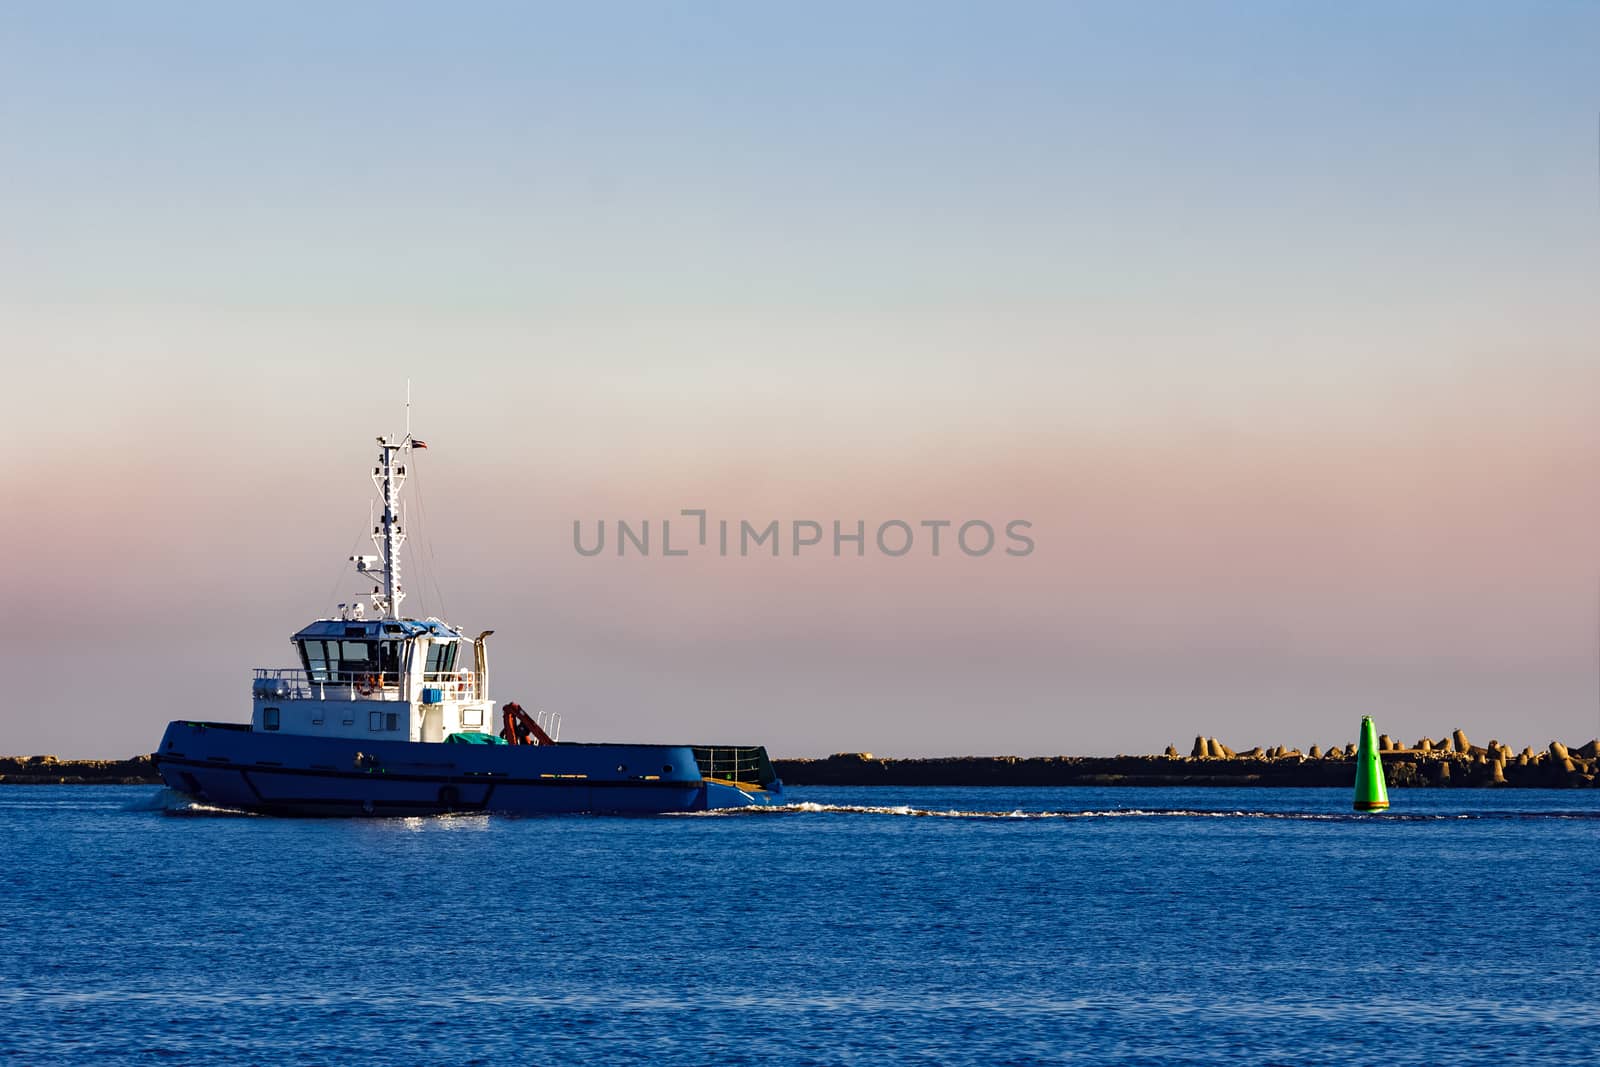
520	729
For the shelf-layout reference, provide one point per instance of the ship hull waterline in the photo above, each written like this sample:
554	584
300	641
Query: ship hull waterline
228	766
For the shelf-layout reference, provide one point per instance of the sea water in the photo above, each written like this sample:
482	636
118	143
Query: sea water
951	926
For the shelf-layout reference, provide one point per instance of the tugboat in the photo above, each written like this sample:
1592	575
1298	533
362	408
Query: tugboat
384	716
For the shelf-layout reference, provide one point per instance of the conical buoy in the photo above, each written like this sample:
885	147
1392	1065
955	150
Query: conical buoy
1371	792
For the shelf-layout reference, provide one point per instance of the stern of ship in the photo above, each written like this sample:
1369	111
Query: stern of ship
737	776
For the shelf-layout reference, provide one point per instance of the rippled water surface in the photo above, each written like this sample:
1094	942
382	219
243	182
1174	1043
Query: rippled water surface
985	926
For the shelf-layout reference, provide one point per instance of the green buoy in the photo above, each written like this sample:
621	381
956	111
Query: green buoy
1371	792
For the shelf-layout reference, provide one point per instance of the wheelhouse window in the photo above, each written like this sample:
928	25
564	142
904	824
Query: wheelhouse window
350	661
442	657
315	660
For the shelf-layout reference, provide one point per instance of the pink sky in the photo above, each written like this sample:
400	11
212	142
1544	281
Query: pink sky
1428	563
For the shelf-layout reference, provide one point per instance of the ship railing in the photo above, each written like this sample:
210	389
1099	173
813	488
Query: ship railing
747	764
296	683
457	685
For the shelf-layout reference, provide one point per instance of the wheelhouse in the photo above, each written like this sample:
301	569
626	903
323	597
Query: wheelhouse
377	653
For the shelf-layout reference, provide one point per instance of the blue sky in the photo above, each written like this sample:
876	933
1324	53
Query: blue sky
815	157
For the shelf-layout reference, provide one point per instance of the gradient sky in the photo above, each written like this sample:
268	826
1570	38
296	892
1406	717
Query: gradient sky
1278	321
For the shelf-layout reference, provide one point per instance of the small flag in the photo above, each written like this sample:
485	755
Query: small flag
418	444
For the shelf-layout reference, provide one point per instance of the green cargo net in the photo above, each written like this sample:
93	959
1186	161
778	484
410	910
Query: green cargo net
745	764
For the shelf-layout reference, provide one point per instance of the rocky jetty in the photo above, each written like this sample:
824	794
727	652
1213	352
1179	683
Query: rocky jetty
47	770
1451	761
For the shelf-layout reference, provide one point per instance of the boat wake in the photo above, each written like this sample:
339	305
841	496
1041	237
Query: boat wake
172	802
810	808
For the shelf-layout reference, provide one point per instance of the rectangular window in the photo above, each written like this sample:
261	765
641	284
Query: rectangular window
471	716
375	722
269	718
394	720
351	662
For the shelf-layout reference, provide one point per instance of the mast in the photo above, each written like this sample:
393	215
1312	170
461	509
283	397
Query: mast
387	534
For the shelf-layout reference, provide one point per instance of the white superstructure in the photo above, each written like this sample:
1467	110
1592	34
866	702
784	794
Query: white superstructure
380	676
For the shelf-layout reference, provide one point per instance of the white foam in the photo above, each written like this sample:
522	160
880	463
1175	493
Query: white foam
808	807
172	802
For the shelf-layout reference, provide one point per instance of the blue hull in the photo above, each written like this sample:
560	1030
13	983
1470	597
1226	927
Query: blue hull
285	774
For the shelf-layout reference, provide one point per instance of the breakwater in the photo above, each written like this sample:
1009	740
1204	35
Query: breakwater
1449	761
47	770
1452	761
